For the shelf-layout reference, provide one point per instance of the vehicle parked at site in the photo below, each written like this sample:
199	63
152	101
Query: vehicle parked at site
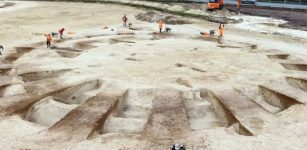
215	4
248	2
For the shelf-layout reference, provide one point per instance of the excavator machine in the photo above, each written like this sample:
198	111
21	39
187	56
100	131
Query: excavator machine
215	4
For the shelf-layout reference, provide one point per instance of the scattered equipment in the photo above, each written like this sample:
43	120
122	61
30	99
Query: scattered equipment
212	32
54	34
178	147
168	29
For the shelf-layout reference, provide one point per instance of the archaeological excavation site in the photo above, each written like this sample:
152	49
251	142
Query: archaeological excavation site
148	75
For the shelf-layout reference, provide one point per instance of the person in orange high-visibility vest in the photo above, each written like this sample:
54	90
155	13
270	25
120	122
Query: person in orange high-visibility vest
221	28
49	40
160	25
238	6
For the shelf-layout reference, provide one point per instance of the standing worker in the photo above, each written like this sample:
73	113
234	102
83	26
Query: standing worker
49	40
221	28
238	6
61	31
160	25
125	19
1	49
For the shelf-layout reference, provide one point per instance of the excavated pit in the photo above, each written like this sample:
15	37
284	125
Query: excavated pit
209	38
278	56
85	45
200	112
116	40
154	17
68	54
35	76
126	33
5	67
5	72
90	116
93	36
163	35
24	49
133	59
20	51
277	99
226	117
51	109
299	67
47	111
133	112
66	49
10	85
73	95
168	117
7	4
120	40
300	83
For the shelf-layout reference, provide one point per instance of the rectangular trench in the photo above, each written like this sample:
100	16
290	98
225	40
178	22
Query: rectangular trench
233	108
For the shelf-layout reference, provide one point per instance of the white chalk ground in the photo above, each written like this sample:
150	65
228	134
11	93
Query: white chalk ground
151	64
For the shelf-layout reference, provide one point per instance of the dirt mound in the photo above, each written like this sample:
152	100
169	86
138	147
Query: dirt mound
6	4
153	17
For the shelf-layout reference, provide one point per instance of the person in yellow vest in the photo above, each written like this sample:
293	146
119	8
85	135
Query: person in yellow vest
238	6
221	28
160	25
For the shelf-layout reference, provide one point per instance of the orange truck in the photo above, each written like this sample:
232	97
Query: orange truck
215	4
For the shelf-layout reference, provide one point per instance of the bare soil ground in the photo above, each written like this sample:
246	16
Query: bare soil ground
105	86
